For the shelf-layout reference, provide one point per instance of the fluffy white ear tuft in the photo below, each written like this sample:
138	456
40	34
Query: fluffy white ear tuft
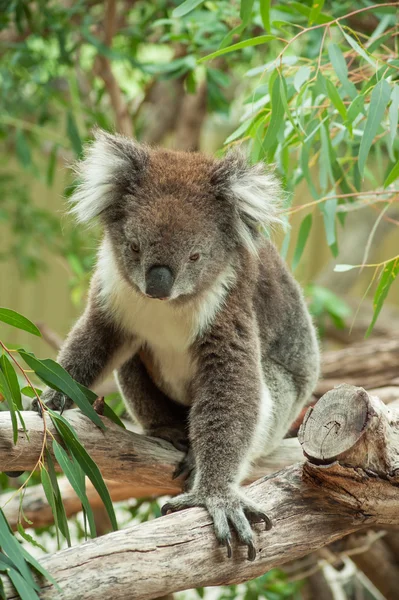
109	161
257	195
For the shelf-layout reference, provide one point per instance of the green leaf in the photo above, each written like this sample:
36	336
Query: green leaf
76	478
57	378
12	548
301	76
265	14
10	403
185	7
38	567
73	134
392	175
329	209
59	505
277	116
355	108
357	48
394	114
256	41
11	317
246	10
378	102
22	149
343	268
239	132
340	67
29	538
388	276
24	589
52	162
303	235
304	162
85	461
317	7
12	380
49	493
336	98
28	391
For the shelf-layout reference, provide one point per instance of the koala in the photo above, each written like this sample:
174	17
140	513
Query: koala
192	305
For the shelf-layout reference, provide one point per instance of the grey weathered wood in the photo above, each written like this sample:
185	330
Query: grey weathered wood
310	504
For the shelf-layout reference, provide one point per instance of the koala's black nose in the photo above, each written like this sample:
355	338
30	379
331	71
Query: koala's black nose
159	282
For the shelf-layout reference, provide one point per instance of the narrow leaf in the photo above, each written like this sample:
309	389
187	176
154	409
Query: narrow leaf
301	76
73	134
277	115
12	548
256	41
378	102
340	67
29	538
265	14
394	114
22	149
185	7
24	589
303	235
12	380
71	471
389	274
329	209
57	378
357	48
49	493
59	505
336	98
392	175
343	268
317	7
11	317
10	403
85	461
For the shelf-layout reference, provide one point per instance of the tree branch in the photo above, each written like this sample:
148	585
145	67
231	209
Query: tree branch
103	69
350	482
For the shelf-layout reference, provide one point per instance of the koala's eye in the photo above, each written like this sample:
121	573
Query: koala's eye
135	247
194	257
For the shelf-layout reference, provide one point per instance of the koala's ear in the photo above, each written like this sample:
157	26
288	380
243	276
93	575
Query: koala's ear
112	166
255	193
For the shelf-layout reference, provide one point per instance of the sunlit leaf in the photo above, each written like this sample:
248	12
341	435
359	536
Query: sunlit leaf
317	7
11	317
335	98
342	268
277	116
329	209
379	100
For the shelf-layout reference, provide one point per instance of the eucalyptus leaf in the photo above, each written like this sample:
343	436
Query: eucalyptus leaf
11	317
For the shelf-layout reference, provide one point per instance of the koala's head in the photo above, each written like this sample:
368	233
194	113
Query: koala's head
176	220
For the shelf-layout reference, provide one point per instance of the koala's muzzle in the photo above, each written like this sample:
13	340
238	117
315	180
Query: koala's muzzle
159	282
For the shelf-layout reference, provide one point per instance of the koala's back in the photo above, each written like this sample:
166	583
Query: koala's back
289	346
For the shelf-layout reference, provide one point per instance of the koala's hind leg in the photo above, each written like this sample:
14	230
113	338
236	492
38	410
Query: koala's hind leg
157	414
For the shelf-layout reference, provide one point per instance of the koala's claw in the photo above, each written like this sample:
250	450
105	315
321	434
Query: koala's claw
233	509
54	400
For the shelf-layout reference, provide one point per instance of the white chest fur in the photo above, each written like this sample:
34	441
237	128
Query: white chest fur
168	331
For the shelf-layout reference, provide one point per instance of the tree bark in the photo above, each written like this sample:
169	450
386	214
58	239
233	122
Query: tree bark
350	482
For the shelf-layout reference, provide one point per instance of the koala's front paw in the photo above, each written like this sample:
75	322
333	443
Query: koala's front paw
174	435
231	507
54	400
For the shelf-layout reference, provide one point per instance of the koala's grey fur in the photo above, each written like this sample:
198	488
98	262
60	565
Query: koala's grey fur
226	363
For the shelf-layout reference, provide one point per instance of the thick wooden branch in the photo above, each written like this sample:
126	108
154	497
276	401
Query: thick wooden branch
146	463
370	363
350	481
